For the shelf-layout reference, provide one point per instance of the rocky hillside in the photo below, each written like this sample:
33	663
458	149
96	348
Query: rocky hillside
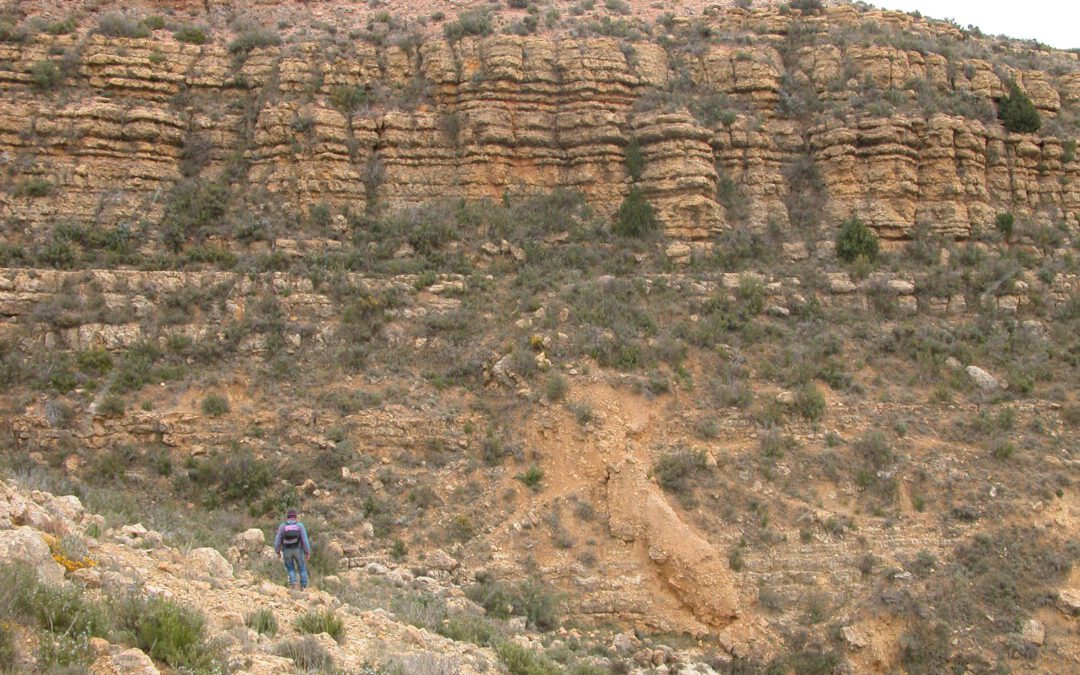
734	118
588	337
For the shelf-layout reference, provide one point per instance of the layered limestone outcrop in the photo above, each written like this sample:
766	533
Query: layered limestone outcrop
718	104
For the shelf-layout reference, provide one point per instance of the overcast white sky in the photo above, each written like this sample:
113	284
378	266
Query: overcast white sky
1054	22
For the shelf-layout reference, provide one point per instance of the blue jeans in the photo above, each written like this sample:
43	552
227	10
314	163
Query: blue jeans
294	562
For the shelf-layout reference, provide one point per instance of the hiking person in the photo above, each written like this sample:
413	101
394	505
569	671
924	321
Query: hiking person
292	545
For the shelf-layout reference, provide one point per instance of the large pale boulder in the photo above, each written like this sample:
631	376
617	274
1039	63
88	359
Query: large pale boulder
250	542
208	562
24	544
133	662
441	560
982	379
67	507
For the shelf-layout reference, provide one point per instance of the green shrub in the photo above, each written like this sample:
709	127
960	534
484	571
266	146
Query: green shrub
321	621
924	648
115	24
307	653
531	598
94	362
807	6
46	75
1005	223
348	99
171	632
810	402
735	559
9	32
192	35
751	296
64	653
471	22
112	406
856	239
214	405
461	528
263	622
521	661
469	628
532	477
239	476
112	464
9	654
63	609
635	161
774	443
1017	112
192	206
1004	450
398	550
873	448
806	194
674	469
35	187
555	388
253	37
636	217
139	367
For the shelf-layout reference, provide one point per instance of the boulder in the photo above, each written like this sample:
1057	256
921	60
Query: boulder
208	562
624	643
250	542
856	638
441	560
133	662
35	516
377	568
67	507
1069	601
138	535
87	576
26	545
1033	632
231	619
982	379
679	253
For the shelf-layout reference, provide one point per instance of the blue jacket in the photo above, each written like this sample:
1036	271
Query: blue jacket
303	537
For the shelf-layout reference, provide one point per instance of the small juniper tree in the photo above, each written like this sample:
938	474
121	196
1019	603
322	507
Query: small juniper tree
856	239
636	216
1017	112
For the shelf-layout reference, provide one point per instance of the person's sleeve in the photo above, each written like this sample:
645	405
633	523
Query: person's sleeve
304	539
277	540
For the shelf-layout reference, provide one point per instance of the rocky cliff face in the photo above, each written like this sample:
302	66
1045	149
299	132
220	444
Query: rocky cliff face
892	115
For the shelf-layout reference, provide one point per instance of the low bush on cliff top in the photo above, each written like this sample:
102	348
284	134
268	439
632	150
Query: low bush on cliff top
250	36
115	24
472	22
193	35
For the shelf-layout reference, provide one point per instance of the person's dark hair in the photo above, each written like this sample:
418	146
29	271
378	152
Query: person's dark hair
291	513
